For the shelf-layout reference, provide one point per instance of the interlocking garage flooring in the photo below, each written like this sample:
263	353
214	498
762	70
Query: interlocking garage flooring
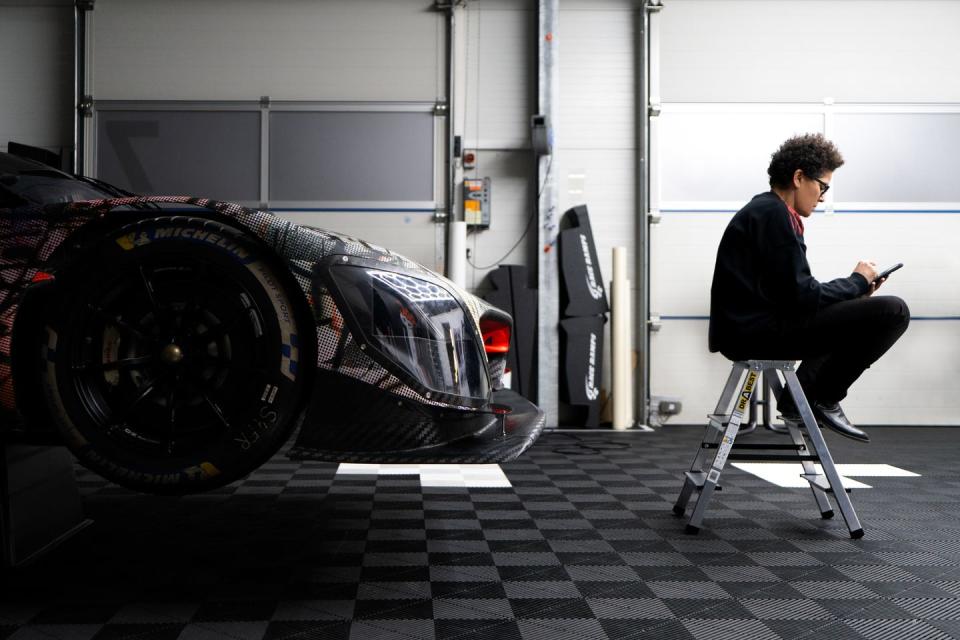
583	545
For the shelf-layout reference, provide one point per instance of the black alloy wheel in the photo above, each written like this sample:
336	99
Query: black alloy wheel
174	366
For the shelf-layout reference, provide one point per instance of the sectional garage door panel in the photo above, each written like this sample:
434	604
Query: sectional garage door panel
203	153
285	49
325	156
898	157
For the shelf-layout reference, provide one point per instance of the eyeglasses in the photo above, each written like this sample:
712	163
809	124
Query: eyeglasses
824	187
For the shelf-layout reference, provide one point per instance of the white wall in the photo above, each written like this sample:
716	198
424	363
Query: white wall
286	49
597	130
737	79
803	50
500	82
36	73
594	158
295	50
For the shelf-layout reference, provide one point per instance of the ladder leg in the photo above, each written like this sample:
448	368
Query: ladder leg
823	502
720	460
809	468
710	436
823	452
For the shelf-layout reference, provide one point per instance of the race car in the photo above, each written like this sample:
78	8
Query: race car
174	344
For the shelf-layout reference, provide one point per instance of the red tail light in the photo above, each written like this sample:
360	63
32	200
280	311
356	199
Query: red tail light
496	336
41	276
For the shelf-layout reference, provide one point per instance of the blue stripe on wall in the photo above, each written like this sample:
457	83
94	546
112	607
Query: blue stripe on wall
836	211
912	318
349	210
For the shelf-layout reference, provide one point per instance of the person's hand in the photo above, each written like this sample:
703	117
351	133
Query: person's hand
868	269
874	286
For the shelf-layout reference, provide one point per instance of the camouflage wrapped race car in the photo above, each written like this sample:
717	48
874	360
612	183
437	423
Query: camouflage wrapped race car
174	344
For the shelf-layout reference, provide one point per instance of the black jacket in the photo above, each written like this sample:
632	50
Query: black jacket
762	283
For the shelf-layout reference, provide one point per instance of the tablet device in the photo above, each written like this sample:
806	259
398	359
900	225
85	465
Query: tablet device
887	272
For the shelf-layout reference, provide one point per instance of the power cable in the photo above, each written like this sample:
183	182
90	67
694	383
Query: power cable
581	447
526	229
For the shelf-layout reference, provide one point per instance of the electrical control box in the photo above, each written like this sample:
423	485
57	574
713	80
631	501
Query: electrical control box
476	203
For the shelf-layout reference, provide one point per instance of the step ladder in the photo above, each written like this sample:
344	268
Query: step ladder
720	440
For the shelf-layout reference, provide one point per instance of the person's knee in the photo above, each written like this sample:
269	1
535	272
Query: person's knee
895	309
900	309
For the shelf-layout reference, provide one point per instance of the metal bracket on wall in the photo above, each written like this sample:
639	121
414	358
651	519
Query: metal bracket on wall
654	217
85	106
85	5
654	109
652	6
654	322
440	108
440	216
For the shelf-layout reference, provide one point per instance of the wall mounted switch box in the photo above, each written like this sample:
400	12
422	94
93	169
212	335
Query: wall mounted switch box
476	203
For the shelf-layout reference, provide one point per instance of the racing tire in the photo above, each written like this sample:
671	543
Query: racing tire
173	364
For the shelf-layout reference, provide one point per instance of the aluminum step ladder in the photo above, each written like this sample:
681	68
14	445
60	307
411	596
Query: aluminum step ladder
721	434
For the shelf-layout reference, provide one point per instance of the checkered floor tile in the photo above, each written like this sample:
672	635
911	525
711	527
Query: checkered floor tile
579	543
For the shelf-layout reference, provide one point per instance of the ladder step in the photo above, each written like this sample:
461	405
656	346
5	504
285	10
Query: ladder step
699	478
718	421
758	446
820	481
772	457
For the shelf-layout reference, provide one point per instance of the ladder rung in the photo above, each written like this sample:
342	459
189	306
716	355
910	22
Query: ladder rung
820	481
760	446
699	478
773	457
718	421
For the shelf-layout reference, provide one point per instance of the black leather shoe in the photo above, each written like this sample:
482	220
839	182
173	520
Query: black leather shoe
832	417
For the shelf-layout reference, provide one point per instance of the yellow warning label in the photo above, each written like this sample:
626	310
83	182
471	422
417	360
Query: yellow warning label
209	469
747	391
126	242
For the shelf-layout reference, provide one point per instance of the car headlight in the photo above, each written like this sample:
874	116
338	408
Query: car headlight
417	327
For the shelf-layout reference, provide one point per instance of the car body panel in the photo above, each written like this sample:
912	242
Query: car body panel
37	240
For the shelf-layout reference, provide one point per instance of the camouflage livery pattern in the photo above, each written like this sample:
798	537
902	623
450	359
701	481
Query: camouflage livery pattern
30	236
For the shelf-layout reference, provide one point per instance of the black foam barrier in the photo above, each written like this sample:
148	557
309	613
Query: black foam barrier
583	305
581	358
582	292
511	294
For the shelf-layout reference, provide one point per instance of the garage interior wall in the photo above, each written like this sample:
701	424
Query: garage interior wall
594	159
737	78
337	50
36	69
597	143
499	85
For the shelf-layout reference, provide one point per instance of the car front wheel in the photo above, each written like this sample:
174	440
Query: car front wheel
174	363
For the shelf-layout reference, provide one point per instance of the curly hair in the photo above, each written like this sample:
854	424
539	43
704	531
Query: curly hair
811	153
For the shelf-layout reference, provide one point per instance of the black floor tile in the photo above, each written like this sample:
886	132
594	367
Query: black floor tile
243	610
399	609
76	613
477	629
582	542
139	632
308	630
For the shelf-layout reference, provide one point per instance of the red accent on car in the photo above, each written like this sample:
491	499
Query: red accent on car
496	336
41	276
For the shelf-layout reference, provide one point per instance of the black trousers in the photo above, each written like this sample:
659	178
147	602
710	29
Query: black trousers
841	342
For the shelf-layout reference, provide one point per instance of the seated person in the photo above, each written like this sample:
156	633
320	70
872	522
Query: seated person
765	304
